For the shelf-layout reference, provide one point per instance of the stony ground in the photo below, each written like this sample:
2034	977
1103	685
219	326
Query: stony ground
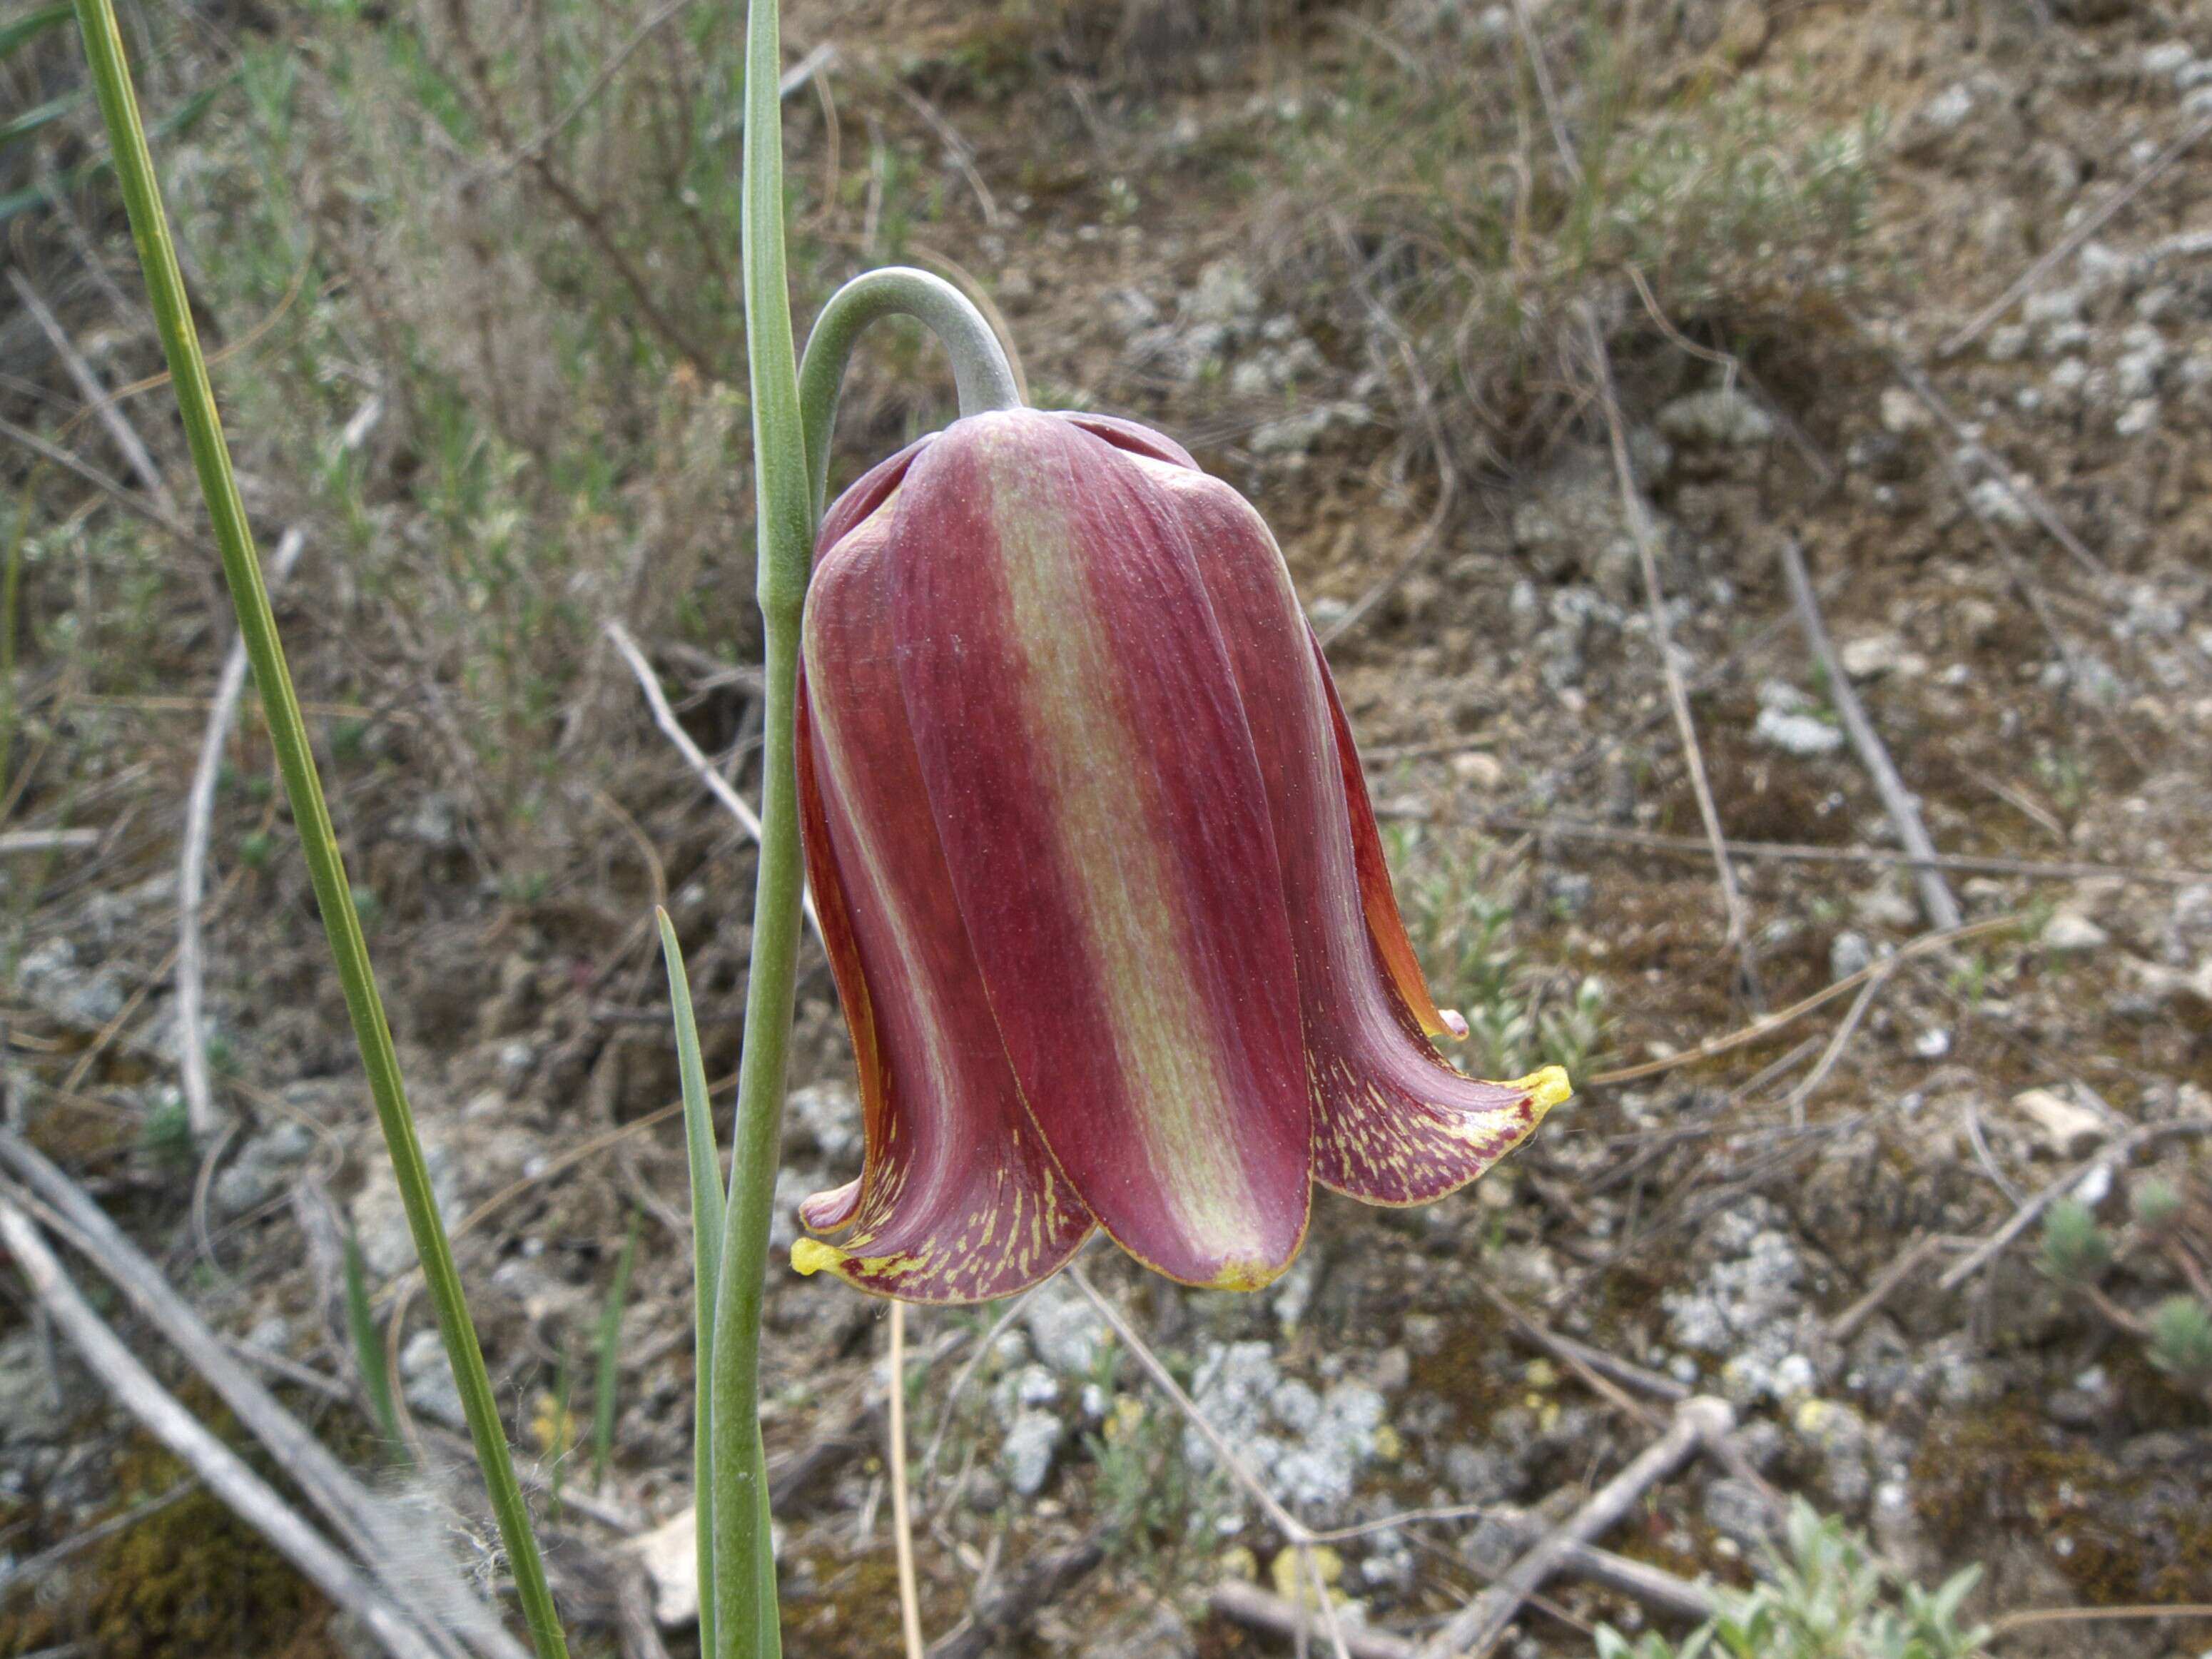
2004	521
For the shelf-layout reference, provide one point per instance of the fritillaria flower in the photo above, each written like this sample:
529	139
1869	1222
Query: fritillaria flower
1103	891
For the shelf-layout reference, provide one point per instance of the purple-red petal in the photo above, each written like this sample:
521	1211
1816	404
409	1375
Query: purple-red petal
957	1199
1098	798
1394	1122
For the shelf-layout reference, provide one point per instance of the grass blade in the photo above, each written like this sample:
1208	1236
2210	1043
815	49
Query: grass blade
39	115
608	1375
369	1344
39	19
706	1162
288	732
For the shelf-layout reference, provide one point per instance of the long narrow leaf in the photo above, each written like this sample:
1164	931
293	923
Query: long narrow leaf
368	1343
706	1162
303	787
39	19
608	1376
39	115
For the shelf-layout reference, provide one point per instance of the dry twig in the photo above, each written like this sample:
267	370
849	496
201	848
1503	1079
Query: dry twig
2066	245
1474	1632
2114	1153
1247	1604
376	1533
221	1469
192	865
1787	852
1935	898
97	401
1678	698
694	756
901	1510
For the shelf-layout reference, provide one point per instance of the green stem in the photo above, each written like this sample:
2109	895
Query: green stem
980	371
745	1560
288	731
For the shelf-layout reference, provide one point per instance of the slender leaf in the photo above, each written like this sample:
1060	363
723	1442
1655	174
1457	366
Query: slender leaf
607	1378
706	1162
303	787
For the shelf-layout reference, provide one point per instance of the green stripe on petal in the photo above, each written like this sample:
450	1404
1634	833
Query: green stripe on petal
1094	782
1394	1122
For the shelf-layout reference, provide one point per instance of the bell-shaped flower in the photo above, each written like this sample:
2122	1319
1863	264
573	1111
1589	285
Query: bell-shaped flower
1102	887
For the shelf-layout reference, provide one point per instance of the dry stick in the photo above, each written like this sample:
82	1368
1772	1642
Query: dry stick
1845	1029
2006	1625
48	841
1474	1632
1639	1581
221	1469
1605	1374
191	866
1247	1604
1804	853
673	729
2074	238
121	494
1678	698
1936	901
1544	89
902	1511
1991	1248
1845	1325
364	1523
1767	1024
1295	1532
97	401
1004	1612
1424	402
2030	499
30	1570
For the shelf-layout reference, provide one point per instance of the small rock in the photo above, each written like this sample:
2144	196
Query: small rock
2063	1129
263	1168
49	976
1159	1632
1870	655
670	1554
2069	930
1064	1329
1028	1453
1802	735
1903	414
1479	1474
1299	433
1933	1043
828	1115
1721	417
31	1408
380	1216
1992	499
2137	418
1481	770
1737	1509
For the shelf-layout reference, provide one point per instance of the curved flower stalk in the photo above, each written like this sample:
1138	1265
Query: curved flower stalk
1102	885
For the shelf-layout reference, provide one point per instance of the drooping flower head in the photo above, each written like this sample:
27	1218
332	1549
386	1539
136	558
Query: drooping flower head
1102	889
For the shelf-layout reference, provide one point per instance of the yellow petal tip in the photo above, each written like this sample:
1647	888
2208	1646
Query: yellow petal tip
1240	1273
812	1256
1546	1089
